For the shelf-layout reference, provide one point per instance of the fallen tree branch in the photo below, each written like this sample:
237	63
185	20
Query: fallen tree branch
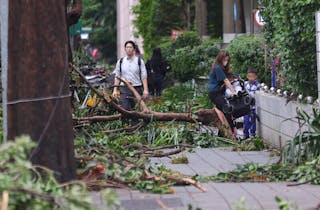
183	180
129	129
148	115
305	182
166	154
96	118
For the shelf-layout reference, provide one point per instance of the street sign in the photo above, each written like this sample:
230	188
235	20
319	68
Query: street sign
258	18
175	34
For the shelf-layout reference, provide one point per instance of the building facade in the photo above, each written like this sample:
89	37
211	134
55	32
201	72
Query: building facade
125	28
238	18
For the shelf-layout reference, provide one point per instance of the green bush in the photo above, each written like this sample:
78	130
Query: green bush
290	31
249	52
192	61
188	39
154	21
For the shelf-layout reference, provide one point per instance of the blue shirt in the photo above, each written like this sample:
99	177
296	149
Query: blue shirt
216	80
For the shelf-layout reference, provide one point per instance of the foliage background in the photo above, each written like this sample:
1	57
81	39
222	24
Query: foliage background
249	52
156	18
189	56
101	15
290	33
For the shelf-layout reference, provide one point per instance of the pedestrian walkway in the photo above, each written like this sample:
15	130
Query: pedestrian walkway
220	196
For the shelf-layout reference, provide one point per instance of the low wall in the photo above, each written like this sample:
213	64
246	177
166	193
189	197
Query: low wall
278	122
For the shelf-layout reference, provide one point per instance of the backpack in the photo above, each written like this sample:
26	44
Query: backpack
139	64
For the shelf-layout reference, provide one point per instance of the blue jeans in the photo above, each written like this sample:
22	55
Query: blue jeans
249	124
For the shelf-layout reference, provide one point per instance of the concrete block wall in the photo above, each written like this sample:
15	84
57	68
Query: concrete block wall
278	122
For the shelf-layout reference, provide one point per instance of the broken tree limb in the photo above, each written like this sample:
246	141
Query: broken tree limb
129	129
165	154
206	116
141	102
183	180
96	118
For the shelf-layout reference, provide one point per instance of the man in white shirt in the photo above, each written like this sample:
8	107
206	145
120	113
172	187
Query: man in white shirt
131	68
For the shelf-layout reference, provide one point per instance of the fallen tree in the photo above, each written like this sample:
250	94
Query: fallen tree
204	116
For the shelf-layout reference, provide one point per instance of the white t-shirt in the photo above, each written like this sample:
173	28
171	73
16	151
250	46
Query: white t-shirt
130	70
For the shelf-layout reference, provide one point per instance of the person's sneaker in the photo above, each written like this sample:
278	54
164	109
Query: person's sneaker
244	138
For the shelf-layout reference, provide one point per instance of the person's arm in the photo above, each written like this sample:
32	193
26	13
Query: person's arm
144	80
228	84
116	80
145	88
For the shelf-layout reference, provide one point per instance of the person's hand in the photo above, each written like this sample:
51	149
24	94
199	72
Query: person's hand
145	94
233	93
115	93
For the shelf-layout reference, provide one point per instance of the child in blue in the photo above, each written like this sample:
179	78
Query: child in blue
249	121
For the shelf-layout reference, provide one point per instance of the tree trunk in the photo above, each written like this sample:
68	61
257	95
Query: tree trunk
201	17
38	91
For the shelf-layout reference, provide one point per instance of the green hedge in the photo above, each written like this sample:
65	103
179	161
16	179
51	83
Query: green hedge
188	63
290	32
188	39
192	60
249	52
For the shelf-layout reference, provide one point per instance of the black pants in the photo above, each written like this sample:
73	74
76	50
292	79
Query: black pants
218	98
128	101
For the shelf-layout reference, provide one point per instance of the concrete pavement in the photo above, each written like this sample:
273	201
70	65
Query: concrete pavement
220	196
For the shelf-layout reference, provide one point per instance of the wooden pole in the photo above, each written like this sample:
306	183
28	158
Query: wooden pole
38	85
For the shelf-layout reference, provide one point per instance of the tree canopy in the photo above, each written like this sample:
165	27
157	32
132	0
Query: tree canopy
156	19
101	15
290	32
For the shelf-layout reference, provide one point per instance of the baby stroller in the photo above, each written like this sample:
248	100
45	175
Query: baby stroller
238	105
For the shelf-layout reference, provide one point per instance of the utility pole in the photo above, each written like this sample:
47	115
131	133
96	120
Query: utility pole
38	95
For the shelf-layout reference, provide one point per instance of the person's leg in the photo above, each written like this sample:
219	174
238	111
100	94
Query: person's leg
124	101
133	103
246	126
253	124
218	99
159	82
151	90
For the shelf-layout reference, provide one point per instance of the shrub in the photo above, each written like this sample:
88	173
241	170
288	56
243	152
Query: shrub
190	62
188	39
290	31
249	52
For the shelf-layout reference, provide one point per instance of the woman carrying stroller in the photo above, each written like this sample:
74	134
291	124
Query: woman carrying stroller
218	80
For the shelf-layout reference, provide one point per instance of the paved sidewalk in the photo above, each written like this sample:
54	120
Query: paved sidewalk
220	196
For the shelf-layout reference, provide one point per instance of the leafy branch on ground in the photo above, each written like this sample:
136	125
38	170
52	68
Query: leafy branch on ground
35	187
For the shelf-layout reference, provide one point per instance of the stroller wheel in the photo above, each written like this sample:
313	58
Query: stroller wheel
247	100
228	109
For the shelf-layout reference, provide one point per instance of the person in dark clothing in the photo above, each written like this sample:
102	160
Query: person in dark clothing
156	70
218	80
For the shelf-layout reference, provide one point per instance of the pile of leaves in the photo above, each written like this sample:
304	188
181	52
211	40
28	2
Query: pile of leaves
122	161
253	144
27	186
308	172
